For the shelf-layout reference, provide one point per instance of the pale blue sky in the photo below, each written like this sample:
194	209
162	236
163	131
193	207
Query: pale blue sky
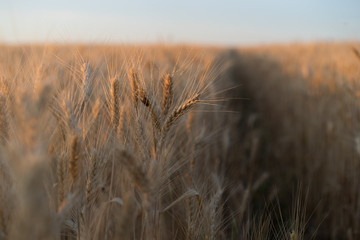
226	22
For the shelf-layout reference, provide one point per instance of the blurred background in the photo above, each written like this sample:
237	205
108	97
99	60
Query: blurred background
226	22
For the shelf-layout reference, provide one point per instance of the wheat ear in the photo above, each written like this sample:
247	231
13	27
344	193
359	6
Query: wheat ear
180	111
168	94
139	94
144	98
86	78
121	125
115	109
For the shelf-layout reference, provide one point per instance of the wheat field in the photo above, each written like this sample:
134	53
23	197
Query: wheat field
179	142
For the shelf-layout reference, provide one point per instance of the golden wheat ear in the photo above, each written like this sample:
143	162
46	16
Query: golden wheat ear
180	111
139	94
121	124
168	94
144	98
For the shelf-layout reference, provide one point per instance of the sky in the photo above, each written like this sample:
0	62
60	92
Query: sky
222	22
